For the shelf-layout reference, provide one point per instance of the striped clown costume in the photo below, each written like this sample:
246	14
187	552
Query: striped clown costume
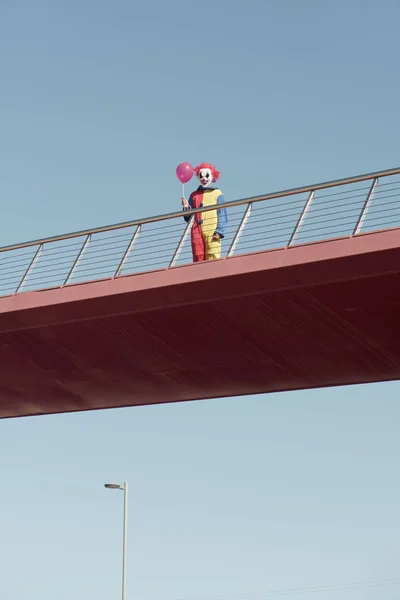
208	227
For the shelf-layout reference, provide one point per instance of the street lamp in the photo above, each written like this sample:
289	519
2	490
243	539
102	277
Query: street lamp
124	488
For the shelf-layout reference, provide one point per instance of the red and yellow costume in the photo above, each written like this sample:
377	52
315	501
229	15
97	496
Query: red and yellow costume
208	227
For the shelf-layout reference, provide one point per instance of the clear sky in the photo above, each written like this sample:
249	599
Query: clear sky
99	101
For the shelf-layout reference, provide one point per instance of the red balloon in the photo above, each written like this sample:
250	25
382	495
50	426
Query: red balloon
184	172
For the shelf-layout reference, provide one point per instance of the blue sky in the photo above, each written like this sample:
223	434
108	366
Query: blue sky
99	102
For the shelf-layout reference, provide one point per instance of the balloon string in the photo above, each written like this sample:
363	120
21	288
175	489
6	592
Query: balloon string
183	190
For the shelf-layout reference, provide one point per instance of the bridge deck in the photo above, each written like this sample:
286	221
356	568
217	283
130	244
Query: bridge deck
321	314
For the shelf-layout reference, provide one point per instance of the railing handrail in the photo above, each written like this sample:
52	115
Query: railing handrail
174	215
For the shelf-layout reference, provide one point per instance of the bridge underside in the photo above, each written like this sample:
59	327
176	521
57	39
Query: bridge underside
323	314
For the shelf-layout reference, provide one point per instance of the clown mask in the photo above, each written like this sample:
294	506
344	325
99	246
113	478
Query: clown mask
205	177
206	174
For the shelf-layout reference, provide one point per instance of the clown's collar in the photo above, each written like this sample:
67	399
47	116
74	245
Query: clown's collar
205	188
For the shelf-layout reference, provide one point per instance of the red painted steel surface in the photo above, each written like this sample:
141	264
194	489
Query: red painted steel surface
316	315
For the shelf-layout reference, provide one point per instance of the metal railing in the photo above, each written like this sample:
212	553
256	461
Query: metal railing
344	207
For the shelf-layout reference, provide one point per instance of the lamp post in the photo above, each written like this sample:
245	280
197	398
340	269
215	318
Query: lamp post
124	488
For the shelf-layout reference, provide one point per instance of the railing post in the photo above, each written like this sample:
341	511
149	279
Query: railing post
240	229
181	242
302	217
78	258
128	250
365	208
30	268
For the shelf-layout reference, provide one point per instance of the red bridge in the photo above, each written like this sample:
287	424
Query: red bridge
307	295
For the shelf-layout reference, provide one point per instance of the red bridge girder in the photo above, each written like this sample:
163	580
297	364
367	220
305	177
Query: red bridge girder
323	314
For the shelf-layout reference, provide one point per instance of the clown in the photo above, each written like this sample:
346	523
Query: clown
208	227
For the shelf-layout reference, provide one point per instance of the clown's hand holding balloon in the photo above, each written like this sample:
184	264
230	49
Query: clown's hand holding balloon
208	227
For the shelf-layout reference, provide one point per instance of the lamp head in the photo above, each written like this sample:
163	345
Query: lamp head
112	486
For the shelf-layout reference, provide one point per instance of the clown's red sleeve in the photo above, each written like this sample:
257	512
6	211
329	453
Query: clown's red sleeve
190	202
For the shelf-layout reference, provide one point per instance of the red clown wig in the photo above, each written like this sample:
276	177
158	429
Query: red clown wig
214	172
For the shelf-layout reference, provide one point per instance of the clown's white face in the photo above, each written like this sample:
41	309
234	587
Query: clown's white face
205	177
